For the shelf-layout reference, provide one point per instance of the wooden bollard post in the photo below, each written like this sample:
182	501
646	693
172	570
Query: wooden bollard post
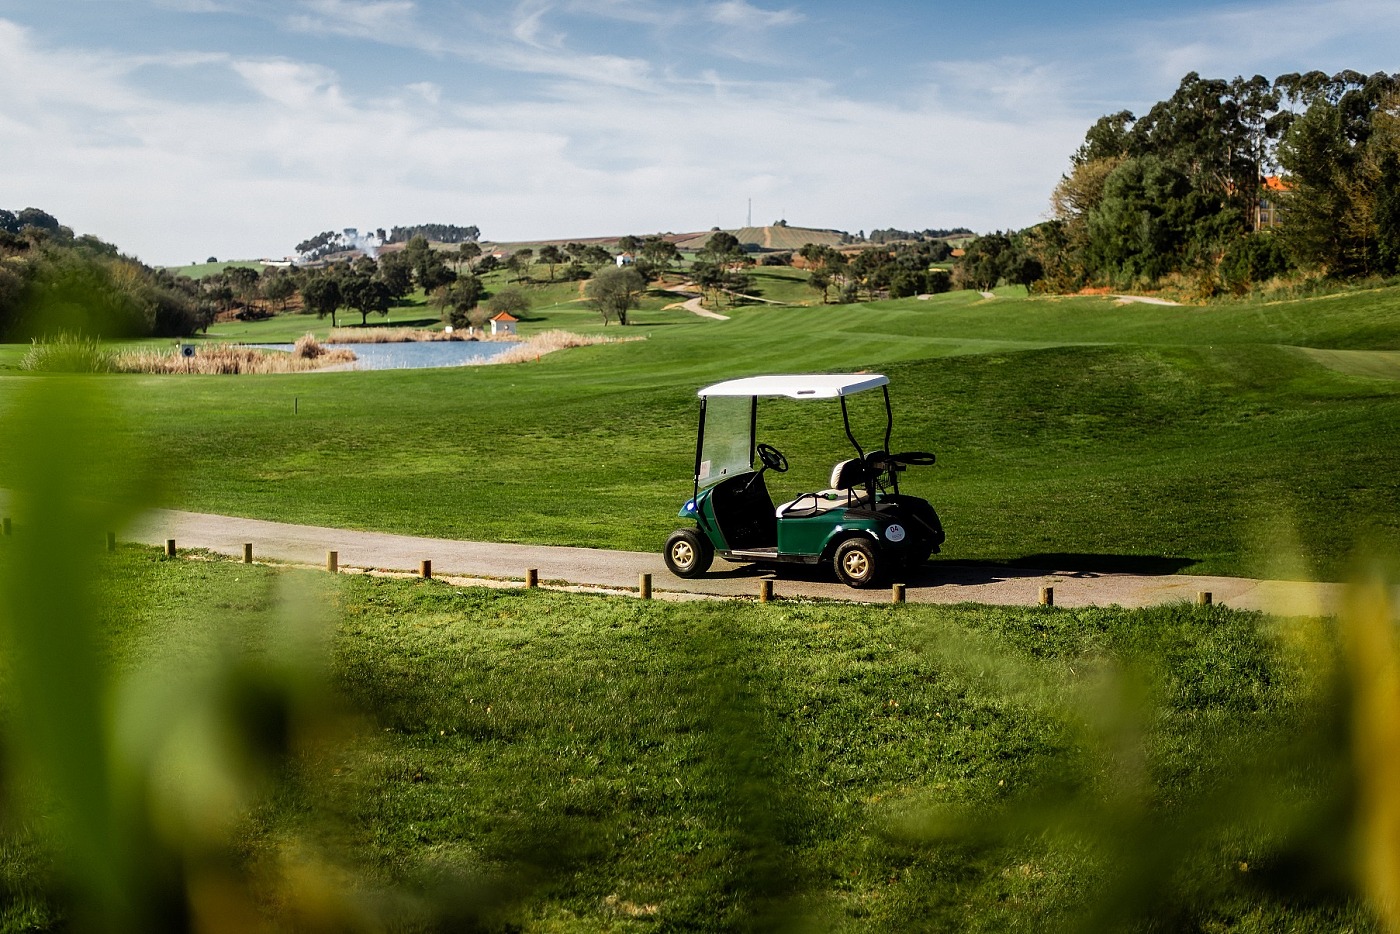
1205	598
1047	596
532	577
8	529
111	541
247	552
897	593
425	569
644	586
765	591
170	547
332	562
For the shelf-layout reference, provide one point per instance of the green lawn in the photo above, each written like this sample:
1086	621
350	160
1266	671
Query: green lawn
200	270
584	763
1069	431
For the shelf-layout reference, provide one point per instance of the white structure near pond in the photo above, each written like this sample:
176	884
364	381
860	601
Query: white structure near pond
504	323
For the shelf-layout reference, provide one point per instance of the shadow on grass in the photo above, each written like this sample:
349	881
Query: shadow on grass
395	323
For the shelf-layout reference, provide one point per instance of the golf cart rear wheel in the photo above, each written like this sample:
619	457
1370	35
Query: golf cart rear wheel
688	553
857	563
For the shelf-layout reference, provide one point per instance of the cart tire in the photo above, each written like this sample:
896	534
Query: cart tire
857	563
688	553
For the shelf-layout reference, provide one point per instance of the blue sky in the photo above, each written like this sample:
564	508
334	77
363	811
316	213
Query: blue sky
184	128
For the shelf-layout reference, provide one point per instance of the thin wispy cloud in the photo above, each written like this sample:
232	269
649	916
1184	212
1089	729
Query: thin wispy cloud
747	16
392	21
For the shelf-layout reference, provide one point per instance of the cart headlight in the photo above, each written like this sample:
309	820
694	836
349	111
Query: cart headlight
894	533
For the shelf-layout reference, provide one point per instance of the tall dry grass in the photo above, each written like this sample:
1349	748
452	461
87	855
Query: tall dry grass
550	341
394	336
228	359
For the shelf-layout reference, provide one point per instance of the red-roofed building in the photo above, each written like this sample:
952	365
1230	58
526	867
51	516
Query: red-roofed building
1266	209
504	323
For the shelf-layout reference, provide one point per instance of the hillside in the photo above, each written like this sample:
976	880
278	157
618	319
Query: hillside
761	238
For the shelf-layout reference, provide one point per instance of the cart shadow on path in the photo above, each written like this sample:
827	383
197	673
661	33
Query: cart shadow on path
1059	564
967	573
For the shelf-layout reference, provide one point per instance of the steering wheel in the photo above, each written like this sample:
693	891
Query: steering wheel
772	458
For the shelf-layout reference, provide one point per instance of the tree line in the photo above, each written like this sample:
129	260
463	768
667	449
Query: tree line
54	282
1222	187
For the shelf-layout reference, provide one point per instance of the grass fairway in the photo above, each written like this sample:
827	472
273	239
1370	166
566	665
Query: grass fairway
628	765
1071	431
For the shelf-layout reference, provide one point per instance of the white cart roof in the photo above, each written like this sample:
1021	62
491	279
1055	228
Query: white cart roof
798	386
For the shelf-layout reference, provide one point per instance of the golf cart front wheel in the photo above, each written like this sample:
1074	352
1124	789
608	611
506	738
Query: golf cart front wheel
857	563
688	553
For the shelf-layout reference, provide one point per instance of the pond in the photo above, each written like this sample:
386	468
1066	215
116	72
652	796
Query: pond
414	355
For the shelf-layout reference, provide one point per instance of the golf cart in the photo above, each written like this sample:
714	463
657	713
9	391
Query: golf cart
860	523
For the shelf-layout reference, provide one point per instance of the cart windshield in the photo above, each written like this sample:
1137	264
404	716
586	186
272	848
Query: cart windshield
726	445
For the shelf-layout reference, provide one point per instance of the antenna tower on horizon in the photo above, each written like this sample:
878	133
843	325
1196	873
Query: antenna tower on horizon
749	223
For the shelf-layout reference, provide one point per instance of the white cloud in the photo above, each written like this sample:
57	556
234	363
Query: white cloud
292	84
529	25
195	6
612	147
382	20
747	16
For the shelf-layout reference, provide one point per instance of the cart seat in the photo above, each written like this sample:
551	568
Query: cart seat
842	494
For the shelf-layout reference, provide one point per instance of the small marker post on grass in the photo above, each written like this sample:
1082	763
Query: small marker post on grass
1204	598
425	569
532	577
1047	596
897	593
332	561
765	591
170	547
644	586
247	552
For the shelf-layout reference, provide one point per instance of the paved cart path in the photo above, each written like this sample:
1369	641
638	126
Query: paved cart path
619	570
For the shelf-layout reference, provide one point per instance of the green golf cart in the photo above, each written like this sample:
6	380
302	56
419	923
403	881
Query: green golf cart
860	523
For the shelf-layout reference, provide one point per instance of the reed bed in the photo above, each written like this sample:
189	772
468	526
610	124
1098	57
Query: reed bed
550	341
395	336
229	359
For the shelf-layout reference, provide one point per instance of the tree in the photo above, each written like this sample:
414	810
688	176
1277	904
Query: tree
629	244
551	256
429	268
1341	158
434	274
321	294
519	263
459	299
1151	221
722	247
366	294
614	292
873	269
395	270
660	252
279	287
468	252
596	255
983	263
827	264
511	300
244	282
